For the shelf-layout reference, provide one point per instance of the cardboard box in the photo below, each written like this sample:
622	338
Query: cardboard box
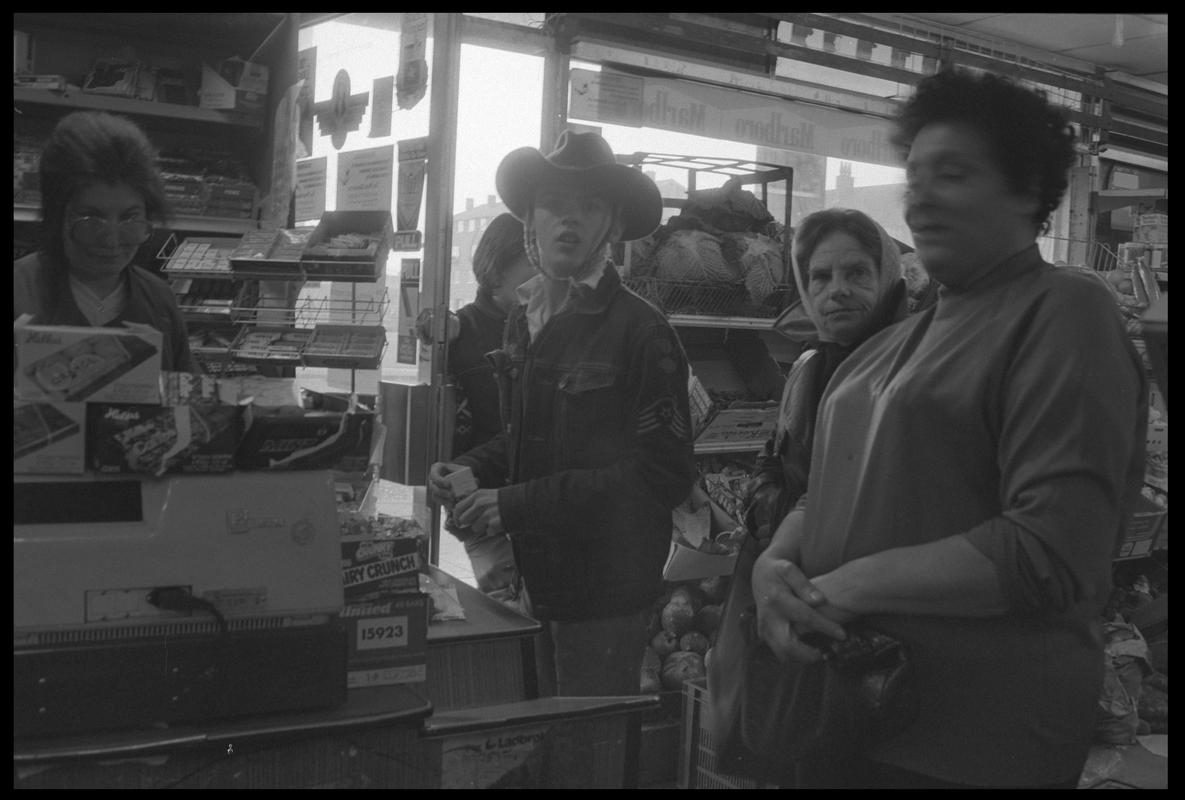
75	364
685	561
187	388
734	430
388	641
1146	530
48	438
154	440
281	440
349	245
381	555
113	76
236	84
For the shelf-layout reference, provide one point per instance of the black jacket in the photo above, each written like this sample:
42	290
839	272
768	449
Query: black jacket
596	450
478	419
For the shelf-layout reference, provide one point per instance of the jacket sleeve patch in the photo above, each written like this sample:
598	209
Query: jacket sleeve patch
662	415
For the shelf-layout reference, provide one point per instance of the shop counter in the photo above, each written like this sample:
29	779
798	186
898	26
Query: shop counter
372	741
486	658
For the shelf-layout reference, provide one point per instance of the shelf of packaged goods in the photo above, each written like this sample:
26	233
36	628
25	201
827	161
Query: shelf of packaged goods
1162	275
198	224
75	99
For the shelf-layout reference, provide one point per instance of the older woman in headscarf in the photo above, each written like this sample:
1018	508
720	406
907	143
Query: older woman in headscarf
849	276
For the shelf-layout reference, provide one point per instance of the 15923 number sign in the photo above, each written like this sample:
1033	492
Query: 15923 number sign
381	633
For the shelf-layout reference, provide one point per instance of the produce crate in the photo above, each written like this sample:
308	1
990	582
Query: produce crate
698	768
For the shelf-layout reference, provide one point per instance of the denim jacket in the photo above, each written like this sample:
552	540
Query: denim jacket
595	451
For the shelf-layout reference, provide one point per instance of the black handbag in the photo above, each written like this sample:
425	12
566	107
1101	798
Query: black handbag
797	724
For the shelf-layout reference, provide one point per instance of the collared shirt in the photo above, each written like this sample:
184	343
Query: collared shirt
99	310
544	296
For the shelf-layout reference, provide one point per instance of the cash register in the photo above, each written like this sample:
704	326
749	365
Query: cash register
149	602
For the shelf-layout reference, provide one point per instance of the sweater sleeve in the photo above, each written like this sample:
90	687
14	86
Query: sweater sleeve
1071	452
489	461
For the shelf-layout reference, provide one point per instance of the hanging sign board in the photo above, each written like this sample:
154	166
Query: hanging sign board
364	179
342	112
413	164
306	71
687	107
409	310
380	111
310	189
411	82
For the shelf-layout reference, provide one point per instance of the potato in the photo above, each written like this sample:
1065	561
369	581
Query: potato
651	682
708	619
694	642
664	643
654	625
681	666
714	589
678	618
687	594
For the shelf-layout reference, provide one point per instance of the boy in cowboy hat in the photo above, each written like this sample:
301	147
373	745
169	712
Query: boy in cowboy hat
596	447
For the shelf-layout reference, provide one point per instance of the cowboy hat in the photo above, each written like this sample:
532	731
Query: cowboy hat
586	156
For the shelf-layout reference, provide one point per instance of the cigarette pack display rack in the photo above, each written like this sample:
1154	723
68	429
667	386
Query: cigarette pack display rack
235	323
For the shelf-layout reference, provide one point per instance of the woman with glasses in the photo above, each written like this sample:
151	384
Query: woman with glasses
101	193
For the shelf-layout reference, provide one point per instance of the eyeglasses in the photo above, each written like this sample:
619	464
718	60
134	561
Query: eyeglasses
96	230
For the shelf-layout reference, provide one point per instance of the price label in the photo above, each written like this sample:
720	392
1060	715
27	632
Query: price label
381	633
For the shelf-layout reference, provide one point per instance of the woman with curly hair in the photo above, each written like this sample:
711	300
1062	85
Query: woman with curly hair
973	466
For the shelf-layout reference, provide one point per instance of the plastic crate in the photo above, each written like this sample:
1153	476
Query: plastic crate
698	768
544	743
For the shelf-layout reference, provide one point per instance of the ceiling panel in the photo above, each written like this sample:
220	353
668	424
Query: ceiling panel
1140	49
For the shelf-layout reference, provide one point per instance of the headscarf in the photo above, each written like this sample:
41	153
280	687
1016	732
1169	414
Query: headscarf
800	322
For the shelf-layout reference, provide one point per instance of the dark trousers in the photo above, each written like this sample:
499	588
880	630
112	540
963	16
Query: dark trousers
592	658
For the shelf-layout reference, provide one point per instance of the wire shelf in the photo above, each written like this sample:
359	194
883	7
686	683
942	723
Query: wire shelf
707	299
1078	252
307	312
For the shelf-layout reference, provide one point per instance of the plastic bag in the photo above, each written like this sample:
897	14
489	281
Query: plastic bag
1125	663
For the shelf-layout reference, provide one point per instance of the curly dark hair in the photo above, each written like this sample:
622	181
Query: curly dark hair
89	147
500	245
1031	139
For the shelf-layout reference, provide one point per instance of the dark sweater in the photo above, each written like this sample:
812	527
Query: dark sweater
46	294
